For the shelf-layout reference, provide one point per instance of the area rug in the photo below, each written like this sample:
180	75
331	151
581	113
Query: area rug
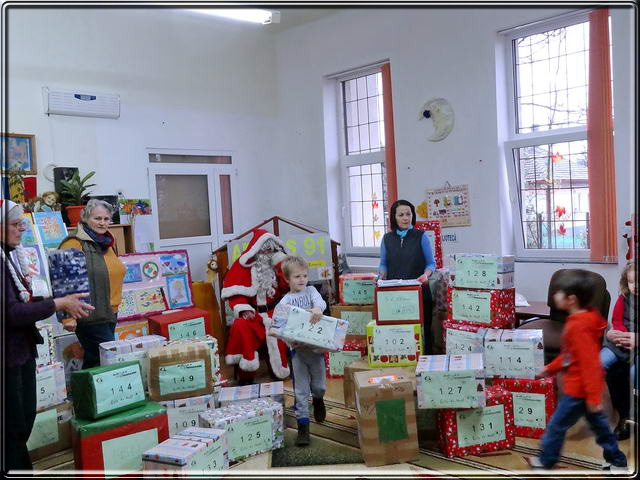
319	452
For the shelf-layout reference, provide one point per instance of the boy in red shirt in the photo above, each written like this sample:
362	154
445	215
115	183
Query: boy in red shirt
584	376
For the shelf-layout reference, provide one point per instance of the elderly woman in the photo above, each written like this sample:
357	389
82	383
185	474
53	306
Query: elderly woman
106	273
20	336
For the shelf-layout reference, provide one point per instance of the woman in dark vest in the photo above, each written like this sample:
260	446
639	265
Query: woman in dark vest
405	254
619	348
20	336
106	273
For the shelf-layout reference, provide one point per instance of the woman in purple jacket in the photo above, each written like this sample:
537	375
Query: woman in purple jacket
20	335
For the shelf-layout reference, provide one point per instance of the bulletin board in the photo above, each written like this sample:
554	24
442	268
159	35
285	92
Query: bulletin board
155	282
450	205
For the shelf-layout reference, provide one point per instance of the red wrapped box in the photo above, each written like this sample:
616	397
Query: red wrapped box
458	341
118	441
471	431
399	305
354	349
357	288
176	324
432	229
534	401
482	307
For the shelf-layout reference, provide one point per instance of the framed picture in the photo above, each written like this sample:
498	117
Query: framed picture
18	153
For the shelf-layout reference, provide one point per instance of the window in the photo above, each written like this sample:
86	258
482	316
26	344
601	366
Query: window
547	146
362	159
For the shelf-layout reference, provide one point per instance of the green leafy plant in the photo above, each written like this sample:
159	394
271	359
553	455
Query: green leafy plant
75	191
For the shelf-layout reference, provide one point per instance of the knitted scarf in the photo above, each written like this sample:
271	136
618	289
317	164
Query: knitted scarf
24	293
103	240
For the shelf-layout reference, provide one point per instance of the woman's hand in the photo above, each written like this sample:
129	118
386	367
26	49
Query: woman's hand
73	305
615	335
424	278
316	315
248	315
627	340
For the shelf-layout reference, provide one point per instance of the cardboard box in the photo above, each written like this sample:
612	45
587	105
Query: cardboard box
512	353
358	317
354	349
292	324
139	347
130	329
473	431
450	381
68	274
176	324
219	442
103	391
180	371
51	432
183	413
399	305
212	343
118	441
348	385
357	288
51	388
394	345
253	427
386	416
189	453
273	390
485	308
110	350
46	351
534	401
478	270
70	353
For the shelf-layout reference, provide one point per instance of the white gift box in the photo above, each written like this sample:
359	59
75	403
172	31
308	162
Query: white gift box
51	388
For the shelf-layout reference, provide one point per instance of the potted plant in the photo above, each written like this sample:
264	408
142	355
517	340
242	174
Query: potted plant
75	194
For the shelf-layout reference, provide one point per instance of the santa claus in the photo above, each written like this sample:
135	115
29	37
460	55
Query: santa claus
253	286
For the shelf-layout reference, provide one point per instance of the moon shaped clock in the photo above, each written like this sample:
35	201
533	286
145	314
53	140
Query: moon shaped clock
440	112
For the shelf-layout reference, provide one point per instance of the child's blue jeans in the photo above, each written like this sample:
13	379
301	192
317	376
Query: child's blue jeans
568	412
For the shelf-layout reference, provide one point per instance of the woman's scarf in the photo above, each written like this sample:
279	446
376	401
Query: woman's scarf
403	233
104	240
23	293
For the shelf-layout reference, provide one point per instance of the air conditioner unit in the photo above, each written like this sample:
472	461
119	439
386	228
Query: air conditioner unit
81	103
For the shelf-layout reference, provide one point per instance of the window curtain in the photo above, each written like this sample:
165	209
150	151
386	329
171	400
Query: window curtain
390	143
602	174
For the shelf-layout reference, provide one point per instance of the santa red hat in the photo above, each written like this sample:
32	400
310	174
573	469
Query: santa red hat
260	236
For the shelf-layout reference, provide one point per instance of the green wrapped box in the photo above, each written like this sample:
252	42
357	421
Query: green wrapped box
108	389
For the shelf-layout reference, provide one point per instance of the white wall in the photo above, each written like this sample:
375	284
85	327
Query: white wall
185	83
450	53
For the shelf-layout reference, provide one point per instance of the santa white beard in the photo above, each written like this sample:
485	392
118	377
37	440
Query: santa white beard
264	276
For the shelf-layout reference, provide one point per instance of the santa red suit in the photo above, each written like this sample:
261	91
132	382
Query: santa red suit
245	289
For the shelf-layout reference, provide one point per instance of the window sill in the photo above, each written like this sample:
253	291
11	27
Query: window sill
560	260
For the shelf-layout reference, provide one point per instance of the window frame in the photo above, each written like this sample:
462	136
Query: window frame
353	160
515	140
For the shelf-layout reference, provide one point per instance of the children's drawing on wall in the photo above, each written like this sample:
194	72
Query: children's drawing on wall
150	300
134	273
150	270
178	291
128	306
450	205
173	264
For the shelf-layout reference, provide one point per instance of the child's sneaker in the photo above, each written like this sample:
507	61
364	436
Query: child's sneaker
534	463
303	435
613	469
319	410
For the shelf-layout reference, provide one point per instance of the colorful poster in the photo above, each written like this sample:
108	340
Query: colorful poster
150	300
51	228
178	291
450	205
133	274
174	264
150	270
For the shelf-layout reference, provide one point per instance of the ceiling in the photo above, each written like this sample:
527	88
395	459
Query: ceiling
292	17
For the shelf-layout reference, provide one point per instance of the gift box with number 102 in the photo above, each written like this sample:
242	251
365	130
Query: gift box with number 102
293	324
394	345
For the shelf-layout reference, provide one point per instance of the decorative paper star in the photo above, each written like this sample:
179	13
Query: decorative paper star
375	204
555	158
376	234
560	211
423	210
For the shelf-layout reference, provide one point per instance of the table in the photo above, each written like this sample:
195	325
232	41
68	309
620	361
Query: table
535	309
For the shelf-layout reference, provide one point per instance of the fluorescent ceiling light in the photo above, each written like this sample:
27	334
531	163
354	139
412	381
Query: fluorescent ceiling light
247	14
